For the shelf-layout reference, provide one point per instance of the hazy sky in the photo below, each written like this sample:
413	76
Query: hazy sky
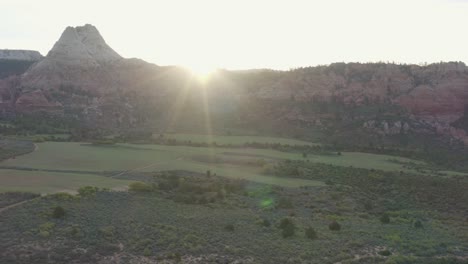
242	34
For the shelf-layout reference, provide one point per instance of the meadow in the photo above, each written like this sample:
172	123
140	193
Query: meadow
50	182
72	159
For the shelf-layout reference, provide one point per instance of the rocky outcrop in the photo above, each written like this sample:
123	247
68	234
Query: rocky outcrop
79	58
21	55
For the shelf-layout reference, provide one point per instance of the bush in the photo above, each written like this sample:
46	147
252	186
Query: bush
229	227
334	226
418	224
147	252
385	219
87	191
310	233
140	187
288	231
288	227
39	139
385	253
266	223
285	203
58	212
44	233
62	196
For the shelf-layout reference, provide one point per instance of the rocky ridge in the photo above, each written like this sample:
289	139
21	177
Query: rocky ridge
82	73
22	55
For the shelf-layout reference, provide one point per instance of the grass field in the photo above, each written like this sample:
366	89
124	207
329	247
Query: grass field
235	140
87	157
49	182
242	163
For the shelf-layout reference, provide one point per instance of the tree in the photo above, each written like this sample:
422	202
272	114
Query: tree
334	226
58	212
418	224
385	219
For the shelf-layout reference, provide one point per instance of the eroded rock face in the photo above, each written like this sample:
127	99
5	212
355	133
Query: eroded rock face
79	58
83	72
35	101
82	45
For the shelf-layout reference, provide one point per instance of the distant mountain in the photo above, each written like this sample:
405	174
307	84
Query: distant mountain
22	55
16	62
82	77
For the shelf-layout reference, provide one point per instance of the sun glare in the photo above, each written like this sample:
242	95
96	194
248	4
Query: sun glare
201	71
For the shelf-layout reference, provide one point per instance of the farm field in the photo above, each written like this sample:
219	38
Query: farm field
244	163
50	182
83	164
87	157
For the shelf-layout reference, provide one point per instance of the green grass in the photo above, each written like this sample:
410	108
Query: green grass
235	140
50	182
228	162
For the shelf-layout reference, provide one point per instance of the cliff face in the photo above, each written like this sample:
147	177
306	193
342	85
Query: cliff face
436	94
84	76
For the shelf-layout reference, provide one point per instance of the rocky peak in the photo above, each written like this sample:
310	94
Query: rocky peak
22	55
82	45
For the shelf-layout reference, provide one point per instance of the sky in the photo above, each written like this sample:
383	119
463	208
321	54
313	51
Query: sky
246	34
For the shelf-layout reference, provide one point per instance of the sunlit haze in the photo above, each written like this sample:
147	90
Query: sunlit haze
242	34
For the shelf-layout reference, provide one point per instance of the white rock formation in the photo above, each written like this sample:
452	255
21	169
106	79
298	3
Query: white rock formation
82	45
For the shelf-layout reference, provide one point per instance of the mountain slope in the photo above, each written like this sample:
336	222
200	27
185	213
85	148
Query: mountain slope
84	78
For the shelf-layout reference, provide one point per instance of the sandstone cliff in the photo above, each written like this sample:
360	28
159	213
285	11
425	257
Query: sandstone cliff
82	75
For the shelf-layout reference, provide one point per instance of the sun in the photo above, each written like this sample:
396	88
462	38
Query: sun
203	72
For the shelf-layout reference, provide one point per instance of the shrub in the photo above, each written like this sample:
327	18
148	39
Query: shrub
385	219
418	224
368	205
62	196
44	233
58	212
47	226
385	253
288	231
87	191
266	223
108	232
310	233
334	226
147	252
284	203
39	139
140	187
284	222
229	227
288	227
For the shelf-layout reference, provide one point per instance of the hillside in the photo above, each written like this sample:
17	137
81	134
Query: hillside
84	79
